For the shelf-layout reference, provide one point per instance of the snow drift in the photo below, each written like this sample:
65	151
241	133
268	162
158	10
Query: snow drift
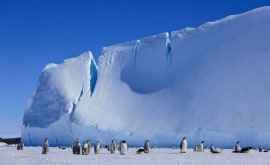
208	83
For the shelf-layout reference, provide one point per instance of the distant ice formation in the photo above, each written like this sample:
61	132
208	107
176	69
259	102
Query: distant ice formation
208	83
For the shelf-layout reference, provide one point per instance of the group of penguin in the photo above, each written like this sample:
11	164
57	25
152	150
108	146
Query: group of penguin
86	147
122	147
215	150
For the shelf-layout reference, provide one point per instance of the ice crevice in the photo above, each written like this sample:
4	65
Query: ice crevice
168	48
136	51
94	76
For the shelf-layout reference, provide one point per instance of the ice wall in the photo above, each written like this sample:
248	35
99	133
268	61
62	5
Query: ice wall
208	83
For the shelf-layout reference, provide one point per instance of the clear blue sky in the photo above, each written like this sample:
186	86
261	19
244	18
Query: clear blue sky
36	32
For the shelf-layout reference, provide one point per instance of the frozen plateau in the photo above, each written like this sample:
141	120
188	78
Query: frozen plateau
207	83
161	156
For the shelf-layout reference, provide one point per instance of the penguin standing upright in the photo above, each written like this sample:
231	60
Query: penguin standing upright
113	147
89	146
97	147
76	147
201	147
123	147
237	147
86	147
45	146
183	145
20	146
146	146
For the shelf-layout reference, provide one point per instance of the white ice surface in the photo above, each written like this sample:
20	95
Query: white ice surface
32	156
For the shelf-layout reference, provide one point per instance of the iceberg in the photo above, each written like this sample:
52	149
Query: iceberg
207	83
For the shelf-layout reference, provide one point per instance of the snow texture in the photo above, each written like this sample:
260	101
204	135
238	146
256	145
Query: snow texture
208	83
33	156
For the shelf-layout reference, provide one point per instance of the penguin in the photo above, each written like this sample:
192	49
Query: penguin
183	145
140	151
237	147
107	147
215	150
62	147
245	149
113	147
146	146
266	150
97	147
199	147
262	149
118	146
123	147
45	146
20	146
89	146
195	148
76	147
86	148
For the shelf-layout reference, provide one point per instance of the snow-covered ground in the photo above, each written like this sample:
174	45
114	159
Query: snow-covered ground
32	156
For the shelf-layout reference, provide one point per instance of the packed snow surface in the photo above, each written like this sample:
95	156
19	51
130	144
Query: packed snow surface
208	83
32	156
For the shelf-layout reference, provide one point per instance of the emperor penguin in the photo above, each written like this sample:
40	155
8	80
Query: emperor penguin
97	147
245	149
214	149
20	146
86	148
140	151
45	146
201	147
146	146
113	147
89	146
237	147
183	145
123	147
76	147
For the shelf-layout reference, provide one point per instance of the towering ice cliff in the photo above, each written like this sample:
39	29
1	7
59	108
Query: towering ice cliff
208	83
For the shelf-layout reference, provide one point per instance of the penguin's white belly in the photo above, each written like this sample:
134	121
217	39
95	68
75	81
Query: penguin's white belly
123	149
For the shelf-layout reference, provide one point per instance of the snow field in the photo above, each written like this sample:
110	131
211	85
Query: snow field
162	156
